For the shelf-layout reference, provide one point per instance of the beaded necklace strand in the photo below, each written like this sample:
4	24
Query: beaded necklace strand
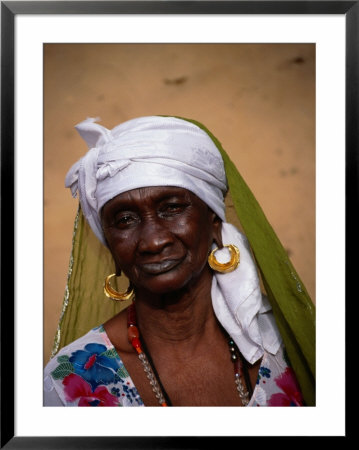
240	368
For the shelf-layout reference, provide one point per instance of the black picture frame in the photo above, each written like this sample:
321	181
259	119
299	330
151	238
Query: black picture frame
9	10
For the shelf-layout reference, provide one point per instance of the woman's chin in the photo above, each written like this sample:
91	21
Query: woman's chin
163	288
174	281
165	283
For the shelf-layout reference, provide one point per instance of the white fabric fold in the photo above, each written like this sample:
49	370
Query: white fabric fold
167	151
240	305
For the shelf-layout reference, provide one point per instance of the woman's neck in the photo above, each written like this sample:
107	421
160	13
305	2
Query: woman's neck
179	318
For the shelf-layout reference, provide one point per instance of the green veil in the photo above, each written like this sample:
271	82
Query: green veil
86	306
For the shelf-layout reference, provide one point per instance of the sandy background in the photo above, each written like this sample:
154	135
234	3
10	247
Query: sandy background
258	100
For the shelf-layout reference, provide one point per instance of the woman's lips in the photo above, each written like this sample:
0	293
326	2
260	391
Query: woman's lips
157	268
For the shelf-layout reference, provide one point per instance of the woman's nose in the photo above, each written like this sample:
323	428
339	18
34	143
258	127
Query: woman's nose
154	238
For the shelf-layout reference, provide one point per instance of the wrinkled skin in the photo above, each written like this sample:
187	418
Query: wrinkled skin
160	237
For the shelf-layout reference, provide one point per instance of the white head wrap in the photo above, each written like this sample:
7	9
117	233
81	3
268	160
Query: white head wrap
167	151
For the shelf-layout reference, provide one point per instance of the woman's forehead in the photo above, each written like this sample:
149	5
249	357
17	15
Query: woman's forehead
153	193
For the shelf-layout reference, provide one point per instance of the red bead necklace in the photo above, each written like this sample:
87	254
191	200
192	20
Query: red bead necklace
151	372
134	338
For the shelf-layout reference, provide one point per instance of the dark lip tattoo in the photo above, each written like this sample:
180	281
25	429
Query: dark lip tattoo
157	268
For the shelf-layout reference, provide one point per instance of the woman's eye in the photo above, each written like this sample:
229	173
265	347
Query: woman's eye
124	220
172	209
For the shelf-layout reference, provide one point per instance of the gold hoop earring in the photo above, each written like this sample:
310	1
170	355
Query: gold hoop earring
111	293
227	267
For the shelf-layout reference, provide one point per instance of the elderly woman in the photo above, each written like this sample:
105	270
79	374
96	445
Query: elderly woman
199	331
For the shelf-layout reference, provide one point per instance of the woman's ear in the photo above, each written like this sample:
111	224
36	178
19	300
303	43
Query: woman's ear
118	270
217	231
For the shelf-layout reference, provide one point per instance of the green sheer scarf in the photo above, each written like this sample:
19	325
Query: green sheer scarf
85	305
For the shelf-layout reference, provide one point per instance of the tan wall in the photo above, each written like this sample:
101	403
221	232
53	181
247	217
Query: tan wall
259	100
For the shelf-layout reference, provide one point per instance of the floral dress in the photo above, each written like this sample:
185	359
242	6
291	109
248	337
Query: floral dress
89	372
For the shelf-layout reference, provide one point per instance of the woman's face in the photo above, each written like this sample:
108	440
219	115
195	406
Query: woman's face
160	237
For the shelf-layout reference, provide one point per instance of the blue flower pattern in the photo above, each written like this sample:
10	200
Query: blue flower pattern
99	365
130	393
94	366
264	372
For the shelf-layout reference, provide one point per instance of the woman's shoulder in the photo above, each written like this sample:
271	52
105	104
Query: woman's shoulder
276	382
89	372
91	337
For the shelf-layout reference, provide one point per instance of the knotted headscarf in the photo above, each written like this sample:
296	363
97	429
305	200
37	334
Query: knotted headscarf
169	151
148	151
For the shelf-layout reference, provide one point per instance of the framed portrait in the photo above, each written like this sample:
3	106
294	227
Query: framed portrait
281	77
